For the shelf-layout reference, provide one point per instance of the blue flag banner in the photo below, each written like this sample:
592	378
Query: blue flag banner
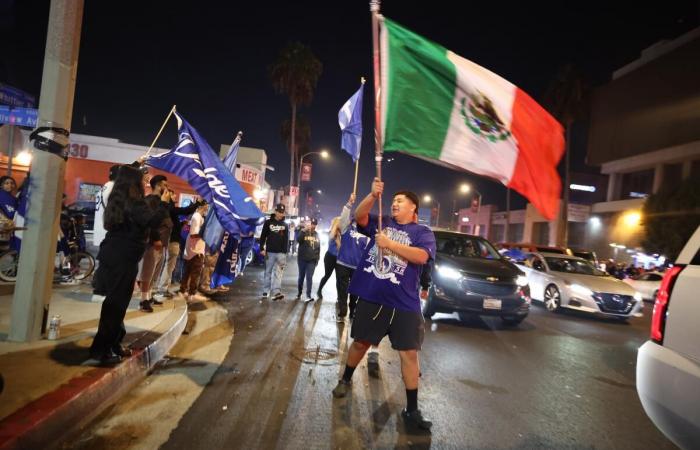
193	160
213	230
350	120
226	264
247	243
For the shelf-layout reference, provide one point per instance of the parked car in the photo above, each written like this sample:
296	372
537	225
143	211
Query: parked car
588	255
562	281
646	284
472	278
530	248
668	365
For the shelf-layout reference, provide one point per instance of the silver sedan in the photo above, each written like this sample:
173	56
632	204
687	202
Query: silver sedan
562	281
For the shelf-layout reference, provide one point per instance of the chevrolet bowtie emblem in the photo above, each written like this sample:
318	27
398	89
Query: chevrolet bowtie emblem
491	279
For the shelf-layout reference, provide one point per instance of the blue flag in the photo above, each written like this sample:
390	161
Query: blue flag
350	120
193	160
225	270
213	231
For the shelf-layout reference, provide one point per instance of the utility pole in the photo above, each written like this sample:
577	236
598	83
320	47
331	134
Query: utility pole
30	305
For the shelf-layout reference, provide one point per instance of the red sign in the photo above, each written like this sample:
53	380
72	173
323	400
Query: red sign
306	172
293	191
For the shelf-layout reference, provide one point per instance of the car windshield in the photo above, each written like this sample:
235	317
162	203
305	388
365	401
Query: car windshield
466	247
573	266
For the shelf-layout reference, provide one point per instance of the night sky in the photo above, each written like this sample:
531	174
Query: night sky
139	58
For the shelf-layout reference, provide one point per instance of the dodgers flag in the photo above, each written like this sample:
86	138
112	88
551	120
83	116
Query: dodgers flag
350	120
193	160
213	231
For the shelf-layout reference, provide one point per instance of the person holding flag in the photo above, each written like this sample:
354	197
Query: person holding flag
387	282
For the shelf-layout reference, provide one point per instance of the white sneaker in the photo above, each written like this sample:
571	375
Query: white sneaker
309	299
98	298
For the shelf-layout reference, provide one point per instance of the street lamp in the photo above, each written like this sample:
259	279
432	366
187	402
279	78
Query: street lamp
324	154
428	199
465	189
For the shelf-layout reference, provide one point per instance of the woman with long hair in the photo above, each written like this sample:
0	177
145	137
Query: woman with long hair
127	220
331	255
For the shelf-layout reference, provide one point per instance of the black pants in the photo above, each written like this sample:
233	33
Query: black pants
343	275
328	267
117	276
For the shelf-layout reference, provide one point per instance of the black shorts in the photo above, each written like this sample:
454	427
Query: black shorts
406	329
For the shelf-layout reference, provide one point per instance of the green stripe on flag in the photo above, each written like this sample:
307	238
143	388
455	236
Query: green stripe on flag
420	93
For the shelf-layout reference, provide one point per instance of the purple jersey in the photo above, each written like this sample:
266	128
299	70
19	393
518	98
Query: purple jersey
395	283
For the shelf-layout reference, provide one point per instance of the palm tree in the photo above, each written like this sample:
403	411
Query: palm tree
295	74
566	99
302	134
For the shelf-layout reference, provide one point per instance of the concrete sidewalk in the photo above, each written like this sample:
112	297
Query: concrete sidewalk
50	391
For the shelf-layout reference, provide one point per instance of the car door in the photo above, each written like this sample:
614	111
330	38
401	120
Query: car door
537	277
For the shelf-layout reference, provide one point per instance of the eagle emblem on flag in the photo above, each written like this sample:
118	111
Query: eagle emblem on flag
482	118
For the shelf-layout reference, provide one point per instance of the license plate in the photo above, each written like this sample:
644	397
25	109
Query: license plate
492	303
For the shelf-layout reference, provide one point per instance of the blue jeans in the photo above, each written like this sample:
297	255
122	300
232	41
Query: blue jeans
306	269
274	269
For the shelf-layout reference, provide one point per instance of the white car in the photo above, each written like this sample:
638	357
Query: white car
562	281
646	284
668	366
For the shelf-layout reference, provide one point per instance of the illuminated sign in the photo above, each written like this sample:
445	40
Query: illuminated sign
582	187
638	195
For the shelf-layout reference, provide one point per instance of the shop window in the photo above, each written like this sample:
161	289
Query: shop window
637	184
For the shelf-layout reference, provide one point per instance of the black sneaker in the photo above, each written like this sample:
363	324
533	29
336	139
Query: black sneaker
341	390
155	302
309	299
145	305
265	295
319	295
278	296
416	420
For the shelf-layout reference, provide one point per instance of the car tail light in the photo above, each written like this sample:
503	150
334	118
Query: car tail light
658	319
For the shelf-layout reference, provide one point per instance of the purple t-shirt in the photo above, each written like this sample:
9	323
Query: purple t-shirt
397	285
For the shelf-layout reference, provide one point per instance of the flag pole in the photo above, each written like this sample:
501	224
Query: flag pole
357	163
172	110
374	9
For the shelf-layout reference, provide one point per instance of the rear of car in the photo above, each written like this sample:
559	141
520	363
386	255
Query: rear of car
668	365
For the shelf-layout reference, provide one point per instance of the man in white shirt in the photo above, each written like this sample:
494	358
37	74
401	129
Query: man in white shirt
194	255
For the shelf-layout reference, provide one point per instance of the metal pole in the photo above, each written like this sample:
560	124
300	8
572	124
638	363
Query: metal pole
10	149
374	9
437	218
30	304
506	239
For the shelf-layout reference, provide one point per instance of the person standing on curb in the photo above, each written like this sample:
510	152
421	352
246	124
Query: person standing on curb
387	282
329	259
194	255
98	229
173	250
274	243
307	258
158	242
127	220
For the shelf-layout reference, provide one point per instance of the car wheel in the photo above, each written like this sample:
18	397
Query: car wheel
552	298
512	321
427	306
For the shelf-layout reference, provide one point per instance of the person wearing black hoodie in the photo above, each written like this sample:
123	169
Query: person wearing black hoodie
128	220
274	243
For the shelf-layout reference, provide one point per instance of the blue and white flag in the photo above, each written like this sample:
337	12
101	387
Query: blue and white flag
213	231
193	160
225	270
350	120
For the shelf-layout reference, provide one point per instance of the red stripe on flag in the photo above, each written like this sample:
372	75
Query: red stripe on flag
540	147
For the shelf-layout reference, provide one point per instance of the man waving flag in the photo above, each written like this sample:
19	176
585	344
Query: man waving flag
444	108
193	160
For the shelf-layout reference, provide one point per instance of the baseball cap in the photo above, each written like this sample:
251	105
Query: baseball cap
280	208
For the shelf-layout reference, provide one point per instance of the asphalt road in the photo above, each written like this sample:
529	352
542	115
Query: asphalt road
558	381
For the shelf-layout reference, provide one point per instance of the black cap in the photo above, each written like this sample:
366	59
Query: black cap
280	208
314	221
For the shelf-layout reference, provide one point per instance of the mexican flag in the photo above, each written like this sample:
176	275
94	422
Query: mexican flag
444	108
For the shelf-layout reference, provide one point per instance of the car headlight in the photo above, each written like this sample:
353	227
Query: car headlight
638	296
580	290
521	280
449	272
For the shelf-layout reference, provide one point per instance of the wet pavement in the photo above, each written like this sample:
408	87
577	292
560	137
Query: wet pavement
559	381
